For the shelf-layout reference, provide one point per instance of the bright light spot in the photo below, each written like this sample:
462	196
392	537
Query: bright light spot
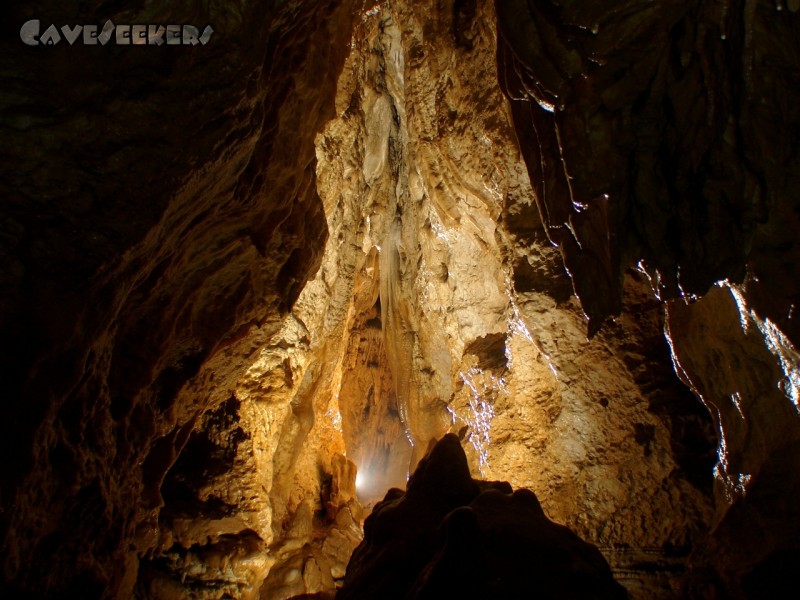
437	227
484	388
744	311
361	481
775	341
516	326
679	370
734	484
579	206
654	282
548	106
736	398
335	418
686	297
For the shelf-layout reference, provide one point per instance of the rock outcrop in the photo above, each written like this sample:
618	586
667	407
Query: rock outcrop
660	136
159	220
644	128
747	372
462	314
450	536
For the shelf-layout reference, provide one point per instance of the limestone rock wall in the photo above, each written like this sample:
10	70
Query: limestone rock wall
441	306
643	128
452	310
159	218
747	372
247	284
658	135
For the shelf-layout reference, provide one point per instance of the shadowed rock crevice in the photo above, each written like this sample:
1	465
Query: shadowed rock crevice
642	129
129	266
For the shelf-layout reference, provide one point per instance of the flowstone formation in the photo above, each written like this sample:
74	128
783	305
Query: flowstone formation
439	306
661	136
463	317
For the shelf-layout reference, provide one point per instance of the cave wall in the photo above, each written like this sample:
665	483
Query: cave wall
159	217
439	306
746	370
660	136
189	413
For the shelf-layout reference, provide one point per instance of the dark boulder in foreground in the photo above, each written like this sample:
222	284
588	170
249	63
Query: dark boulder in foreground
450	536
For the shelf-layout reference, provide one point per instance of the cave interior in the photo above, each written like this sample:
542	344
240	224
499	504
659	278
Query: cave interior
430	299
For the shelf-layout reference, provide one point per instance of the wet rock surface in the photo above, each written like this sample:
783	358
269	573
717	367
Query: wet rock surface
747	373
657	136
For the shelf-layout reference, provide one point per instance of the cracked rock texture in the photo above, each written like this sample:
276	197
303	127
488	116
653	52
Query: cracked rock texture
652	131
661	135
246	284
747	372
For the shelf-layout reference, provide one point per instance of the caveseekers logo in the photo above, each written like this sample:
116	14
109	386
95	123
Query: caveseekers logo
122	35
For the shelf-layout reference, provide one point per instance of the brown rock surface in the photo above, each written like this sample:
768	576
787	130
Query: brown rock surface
159	218
747	372
644	127
244	285
476	317
659	135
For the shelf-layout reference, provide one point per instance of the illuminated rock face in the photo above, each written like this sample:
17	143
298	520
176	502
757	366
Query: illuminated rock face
747	372
657	136
462	317
193	408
